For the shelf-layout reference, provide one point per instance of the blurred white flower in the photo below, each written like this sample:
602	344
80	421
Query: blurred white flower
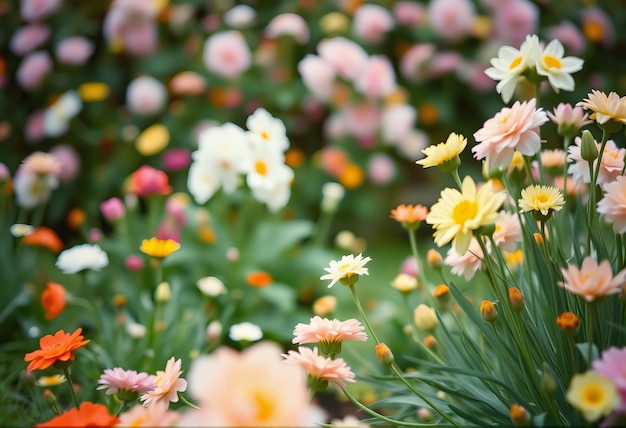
80	257
56	118
211	286
245	331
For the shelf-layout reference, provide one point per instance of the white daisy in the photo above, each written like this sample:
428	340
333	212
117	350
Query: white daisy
267	131
245	331
80	257
346	268
556	68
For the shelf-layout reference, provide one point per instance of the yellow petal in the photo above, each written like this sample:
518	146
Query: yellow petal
153	140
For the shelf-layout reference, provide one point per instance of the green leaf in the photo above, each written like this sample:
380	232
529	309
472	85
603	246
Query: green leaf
271	239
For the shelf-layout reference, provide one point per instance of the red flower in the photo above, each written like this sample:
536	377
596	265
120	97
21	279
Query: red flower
44	237
149	181
87	415
59	347
53	299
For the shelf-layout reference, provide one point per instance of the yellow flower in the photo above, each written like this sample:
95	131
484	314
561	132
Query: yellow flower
153	140
159	248
93	91
605	107
48	381
437	155
425	317
456	214
541	198
593	395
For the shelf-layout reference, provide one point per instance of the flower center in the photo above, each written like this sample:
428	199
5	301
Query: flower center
463	211
260	167
552	62
593	395
542	198
265	135
517	61
265	408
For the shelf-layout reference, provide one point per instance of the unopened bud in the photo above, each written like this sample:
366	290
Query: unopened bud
588	147
519	415
516	298
442	293
568	321
405	283
538	238
548	382
324	305
434	259
425	415
163	294
384	355
430	341
425	317
488	311
49	397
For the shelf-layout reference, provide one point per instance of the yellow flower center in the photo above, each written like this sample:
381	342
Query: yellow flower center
552	62
464	211
260	167
265	407
593	395
542	198
265	135
515	62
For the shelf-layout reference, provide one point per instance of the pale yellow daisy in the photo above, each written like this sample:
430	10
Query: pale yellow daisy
437	155
346	269
605	107
541	198
593	395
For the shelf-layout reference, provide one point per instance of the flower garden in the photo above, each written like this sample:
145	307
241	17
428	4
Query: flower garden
312	213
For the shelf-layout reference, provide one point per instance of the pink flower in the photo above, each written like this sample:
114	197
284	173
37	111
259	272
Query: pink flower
345	56
381	168
112	209
320	368
329	333
597	26
34	130
187	83
371	22
612	365
396	122
168	385
149	181
117	379
377	77
361	120
514	128
227	54
514	20
145	96
468	264
35	10
410	267
613	205
69	159
28	38
33	69
408	13
318	76
176	159
570	119
569	35
133	263
41	163
451	19
129	25
592	280
74	50
508	232
445	62
288	24
611	165
249	388
416	61
151	416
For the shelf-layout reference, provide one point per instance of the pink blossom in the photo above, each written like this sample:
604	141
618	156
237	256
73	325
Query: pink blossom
569	35
381	168
5	174
36	10
33	70
318	367
34	129
129	25
410	266
112	209
371	22
345	56
416	61
168	385
318	76
227	54
397	121
117	379
176	159
612	365
333	160
69	159
187	83
613	205
95	235
145	96
288	24
377	77
445	62
74	50
514	20
468	264
451	19
408	13
134	263
592	280
508	232
612	162
151	416
597	26
322	330
28	38
514	128
361	120
573	118
148	181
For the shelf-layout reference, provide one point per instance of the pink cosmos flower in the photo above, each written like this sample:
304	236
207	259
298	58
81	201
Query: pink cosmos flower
28	38
74	50
227	54
451	19
36	10
335	372
345	56
117	379
468	264
611	164
613	205
568	34
514	128
416	61
288	24
381	169
168	385
573	118
151	416
318	76
69	159
377	77
612	365
33	69
371	22
592	280
408	13
145	96
250	388
514	20
325	331
508	232
112	209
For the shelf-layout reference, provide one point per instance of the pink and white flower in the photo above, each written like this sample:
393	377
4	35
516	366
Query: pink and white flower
371	22
376	78
336	372
613	205
288	24
168	385
468	264
345	56
146	96
451	19
323	330
116	379
612	365
611	163
227	54
592	280
318	76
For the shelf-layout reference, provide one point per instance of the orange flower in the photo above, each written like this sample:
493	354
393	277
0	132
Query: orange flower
59	347
44	237
568	321
409	215
76	217
53	299
87	415
259	279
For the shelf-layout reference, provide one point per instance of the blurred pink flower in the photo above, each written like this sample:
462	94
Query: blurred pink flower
176	159
361	120
569	35
288	24
322	330
345	56
371	22
151	416
592	280
514	128
34	129
468	264
250	388
74	50
69	159
473	73
377	77
5	174
33	70
28	38
112	209
42	164
410	266
513	20
597	26
451	19
416	61
117	379
333	160
611	163
145	96
381	169
134	262
320	368
187	83
227	54
409	13
612	365
396	122
129	25
318	76
240	16
613	205
168	385
445	62
35	10
508	232
148	181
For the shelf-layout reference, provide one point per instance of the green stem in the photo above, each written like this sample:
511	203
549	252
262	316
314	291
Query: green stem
120	408
457	179
187	402
418	260
71	385
357	302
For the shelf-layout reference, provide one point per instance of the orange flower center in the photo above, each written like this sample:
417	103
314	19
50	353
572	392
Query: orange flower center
517	61
552	62
464	211
260	167
593	395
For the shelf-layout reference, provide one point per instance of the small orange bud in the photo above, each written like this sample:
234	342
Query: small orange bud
259	279
441	292
384	355
75	218
488	311
434	259
538	238
568	321
519	415
119	301
324	305
517	299
430	341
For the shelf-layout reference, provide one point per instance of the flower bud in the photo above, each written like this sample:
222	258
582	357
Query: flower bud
425	415
519	415
324	305
588	147
163	294
49	397
430	341
516	298
425	318
488	311
538	238
434	259
404	283
214	330
442	293
568	321
384	355
332	194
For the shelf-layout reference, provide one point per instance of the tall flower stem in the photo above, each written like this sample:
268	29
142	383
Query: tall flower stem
418	260
66	370
378	415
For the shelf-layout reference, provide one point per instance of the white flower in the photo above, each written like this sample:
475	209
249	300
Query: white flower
276	191
267	131
136	330
240	16
245	331
211	286
33	189
79	257
558	69
332	194
19	230
346	268
56	117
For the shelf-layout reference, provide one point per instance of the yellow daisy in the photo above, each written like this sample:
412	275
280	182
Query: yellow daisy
442	153
159	248
456	215
539	198
605	107
593	395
